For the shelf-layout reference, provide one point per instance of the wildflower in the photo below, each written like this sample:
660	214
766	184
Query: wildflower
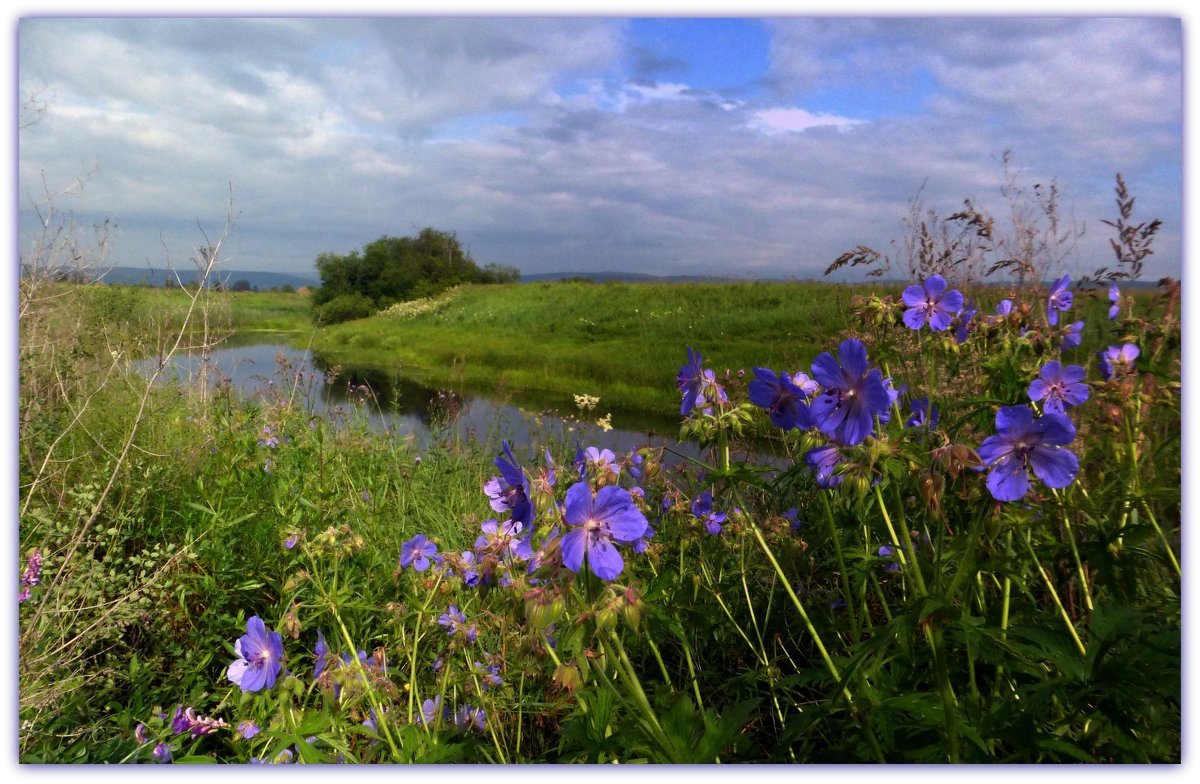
489	675
887	551
546	479
322	655
1118	359
1073	335
162	753
925	414
32	575
260	657
635	465
964	320
417	553
805	384
603	460
1023	443
470	577
1059	299
1004	307
596	523
1114	296
514	494
468	717
1059	387
586	402
189	721
824	461
139	733
792	515
455	623
643	541
268	438
432	710
503	540
783	400
931	303
248	729
291	541
852	395
605	422
689	380
702	509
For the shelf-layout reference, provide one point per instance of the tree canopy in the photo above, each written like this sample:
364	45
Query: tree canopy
395	269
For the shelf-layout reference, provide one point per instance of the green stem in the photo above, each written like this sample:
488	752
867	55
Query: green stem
841	561
1087	593
904	542
1163	538
639	695
1054	594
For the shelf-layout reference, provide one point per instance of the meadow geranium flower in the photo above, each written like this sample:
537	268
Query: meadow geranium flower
805	384
1118	359
468	717
689	382
643	541
546	478
322	655
510	491
1114	296
260	657
603	460
824	461
1073	335
417	553
1004	307
455	623
702	509
887	551
432	710
852	394
931	303
782	399
964	320
924	414
1059	387
596	523
1023	443
248	729
1059	299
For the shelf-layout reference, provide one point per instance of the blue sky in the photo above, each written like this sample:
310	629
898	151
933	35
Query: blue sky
757	147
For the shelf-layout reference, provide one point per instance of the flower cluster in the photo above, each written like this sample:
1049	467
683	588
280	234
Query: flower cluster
260	657
31	576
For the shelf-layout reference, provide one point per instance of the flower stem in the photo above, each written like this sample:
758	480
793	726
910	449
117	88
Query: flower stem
1054	594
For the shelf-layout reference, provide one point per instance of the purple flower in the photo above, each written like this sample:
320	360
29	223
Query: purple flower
189	721
322	654
702	509
603	460
887	551
595	524
643	541
1059	387
852	394
489	675
1059	299
783	400
1022	443
1118	359
139	733
1073	335
1004	307
291	541
513	494
32	575
824	461
689	381
925	414
260	657
792	515
268	439
805	384
248	729
1114	296
162	753
417	552
931	303
468	717
964	319
455	623
432	710
546	479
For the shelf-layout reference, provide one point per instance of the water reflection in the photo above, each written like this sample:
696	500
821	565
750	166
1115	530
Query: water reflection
398	405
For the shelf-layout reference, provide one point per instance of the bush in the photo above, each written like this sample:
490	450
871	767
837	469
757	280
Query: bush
345	307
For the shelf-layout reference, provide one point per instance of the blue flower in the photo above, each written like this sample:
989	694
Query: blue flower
1118	359
1059	387
1059	299
322	655
1073	335
702	509
513	494
432	710
1004	307
931	303
468	717
248	729
852	394
925	414
1114	296
596	523
824	461
1023	443
964	320
162	753
260	657
417	552
689	381
782	399
603	460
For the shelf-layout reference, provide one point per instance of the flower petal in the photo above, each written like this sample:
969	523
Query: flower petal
1054	465
853	355
935	285
578	503
572	549
1014	419
604	560
914	296
1008	480
826	372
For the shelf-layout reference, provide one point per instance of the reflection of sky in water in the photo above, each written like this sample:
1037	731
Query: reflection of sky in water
405	408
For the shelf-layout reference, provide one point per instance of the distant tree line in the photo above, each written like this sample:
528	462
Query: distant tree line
396	269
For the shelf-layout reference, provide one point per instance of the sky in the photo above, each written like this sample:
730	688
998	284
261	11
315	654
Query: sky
750	147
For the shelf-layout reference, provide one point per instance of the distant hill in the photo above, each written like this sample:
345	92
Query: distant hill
149	276
627	277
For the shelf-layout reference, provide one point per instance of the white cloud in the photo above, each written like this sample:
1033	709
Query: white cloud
793	119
